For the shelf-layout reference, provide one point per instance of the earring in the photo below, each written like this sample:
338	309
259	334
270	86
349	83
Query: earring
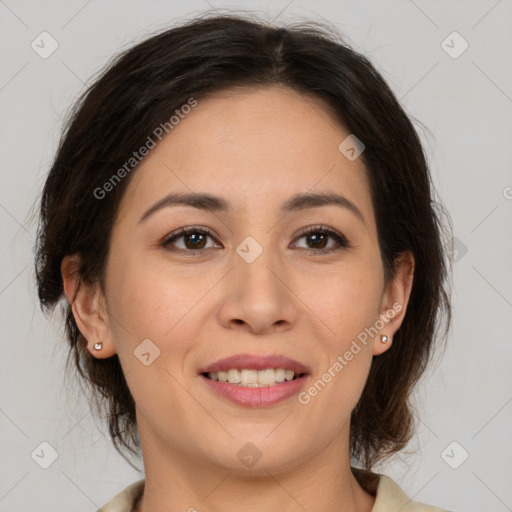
384	338
97	346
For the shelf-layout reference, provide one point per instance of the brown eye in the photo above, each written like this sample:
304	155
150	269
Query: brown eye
194	240
318	239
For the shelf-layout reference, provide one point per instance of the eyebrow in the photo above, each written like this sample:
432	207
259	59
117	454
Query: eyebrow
213	203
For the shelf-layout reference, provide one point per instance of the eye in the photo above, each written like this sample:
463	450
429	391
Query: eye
194	239
319	236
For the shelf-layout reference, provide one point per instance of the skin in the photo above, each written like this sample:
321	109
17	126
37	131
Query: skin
255	147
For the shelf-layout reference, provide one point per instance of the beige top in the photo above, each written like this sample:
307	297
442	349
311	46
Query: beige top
389	497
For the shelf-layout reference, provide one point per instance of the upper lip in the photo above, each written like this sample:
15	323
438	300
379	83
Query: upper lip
255	362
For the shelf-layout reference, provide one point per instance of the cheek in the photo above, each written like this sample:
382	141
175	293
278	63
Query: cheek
347	307
347	301
164	304
145	303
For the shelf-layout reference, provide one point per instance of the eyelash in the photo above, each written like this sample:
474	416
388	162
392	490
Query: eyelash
339	238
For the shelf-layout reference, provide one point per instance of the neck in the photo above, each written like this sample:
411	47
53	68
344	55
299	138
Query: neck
180	480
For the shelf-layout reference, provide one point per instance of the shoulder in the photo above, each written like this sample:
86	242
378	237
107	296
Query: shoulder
389	496
125	500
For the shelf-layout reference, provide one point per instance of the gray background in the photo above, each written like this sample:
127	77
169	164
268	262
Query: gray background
464	105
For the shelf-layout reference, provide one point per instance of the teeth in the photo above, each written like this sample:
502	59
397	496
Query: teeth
267	377
280	375
233	376
253	378
247	377
288	374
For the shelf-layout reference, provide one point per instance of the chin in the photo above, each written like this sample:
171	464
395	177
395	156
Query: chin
258	455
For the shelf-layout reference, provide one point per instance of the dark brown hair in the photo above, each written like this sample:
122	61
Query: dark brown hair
143	87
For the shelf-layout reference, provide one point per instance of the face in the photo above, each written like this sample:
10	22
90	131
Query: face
248	279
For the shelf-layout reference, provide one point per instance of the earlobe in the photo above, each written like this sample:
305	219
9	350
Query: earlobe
394	302
86	302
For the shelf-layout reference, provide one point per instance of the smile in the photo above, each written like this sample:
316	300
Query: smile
250	378
251	394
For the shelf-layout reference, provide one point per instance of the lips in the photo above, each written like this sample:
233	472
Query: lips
250	394
256	362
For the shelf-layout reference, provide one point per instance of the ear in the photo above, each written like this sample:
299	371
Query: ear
394	302
88	306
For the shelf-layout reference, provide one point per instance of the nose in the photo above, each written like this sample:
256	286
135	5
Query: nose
258	296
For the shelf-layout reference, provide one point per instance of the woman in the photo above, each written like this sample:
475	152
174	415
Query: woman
241	219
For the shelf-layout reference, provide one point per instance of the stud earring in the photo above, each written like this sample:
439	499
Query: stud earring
97	346
384	338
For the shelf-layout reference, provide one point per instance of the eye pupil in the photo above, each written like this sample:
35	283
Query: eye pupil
316	239
195	236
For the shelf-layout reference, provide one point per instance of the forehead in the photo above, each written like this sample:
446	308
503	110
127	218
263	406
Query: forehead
253	146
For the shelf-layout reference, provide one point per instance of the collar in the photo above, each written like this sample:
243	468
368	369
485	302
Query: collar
389	497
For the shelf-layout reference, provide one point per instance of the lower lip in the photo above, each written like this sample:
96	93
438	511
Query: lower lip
256	397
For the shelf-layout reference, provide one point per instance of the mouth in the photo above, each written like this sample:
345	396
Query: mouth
252	378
